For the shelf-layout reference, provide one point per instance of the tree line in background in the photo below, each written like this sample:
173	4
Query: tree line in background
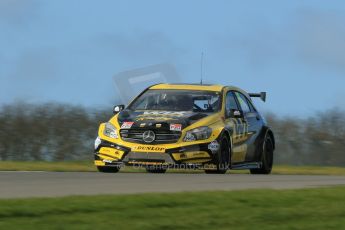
48	132
57	132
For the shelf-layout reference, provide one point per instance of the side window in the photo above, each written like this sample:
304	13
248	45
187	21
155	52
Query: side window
243	102
230	102
252	109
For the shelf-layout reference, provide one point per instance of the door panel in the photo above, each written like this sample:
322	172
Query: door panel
239	127
252	125
252	134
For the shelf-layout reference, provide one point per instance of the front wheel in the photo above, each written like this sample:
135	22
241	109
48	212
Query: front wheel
222	158
107	169
266	158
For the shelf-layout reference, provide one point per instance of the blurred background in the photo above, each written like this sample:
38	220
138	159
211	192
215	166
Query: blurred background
62	65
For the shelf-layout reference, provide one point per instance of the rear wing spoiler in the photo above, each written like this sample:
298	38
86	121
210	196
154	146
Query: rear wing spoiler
262	95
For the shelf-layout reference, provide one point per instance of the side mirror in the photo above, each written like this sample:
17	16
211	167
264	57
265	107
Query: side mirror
234	113
118	108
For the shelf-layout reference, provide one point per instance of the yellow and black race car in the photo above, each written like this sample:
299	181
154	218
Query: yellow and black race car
212	127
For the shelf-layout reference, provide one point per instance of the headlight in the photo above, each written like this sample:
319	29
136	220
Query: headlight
110	131
196	134
97	142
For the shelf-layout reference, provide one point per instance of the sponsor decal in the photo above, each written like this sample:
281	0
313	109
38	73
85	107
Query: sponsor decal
168	113
148	148
197	154
158	125
127	125
142	125
183	155
175	127
141	118
213	146
117	153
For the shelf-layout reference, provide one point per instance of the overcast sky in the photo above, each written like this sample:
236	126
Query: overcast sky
68	50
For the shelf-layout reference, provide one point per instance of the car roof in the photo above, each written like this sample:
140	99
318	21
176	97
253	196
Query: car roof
206	87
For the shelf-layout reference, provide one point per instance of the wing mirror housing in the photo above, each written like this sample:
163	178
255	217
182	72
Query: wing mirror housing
234	113
118	108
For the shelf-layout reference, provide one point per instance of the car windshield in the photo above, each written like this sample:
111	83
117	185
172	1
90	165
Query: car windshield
178	100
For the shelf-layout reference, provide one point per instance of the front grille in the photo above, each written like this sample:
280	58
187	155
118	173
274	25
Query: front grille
162	136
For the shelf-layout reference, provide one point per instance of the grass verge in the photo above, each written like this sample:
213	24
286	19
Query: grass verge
322	208
85	166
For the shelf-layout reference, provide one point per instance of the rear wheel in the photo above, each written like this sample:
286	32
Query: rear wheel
108	169
266	158
156	169
222	158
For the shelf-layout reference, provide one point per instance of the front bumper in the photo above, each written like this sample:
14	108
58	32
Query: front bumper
110	154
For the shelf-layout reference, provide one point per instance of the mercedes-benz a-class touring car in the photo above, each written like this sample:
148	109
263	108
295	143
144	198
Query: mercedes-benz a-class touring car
212	127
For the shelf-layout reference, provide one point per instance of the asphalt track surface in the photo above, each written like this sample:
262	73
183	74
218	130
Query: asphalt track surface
52	184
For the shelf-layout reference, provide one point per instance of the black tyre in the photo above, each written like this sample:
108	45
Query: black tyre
108	169
222	158
266	158
156	169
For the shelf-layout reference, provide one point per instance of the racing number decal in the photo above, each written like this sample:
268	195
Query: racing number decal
240	132
241	128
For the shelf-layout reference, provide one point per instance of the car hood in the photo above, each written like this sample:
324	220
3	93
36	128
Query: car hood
170	120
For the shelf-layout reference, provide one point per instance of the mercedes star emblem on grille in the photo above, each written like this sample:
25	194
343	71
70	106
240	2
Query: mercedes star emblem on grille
149	136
